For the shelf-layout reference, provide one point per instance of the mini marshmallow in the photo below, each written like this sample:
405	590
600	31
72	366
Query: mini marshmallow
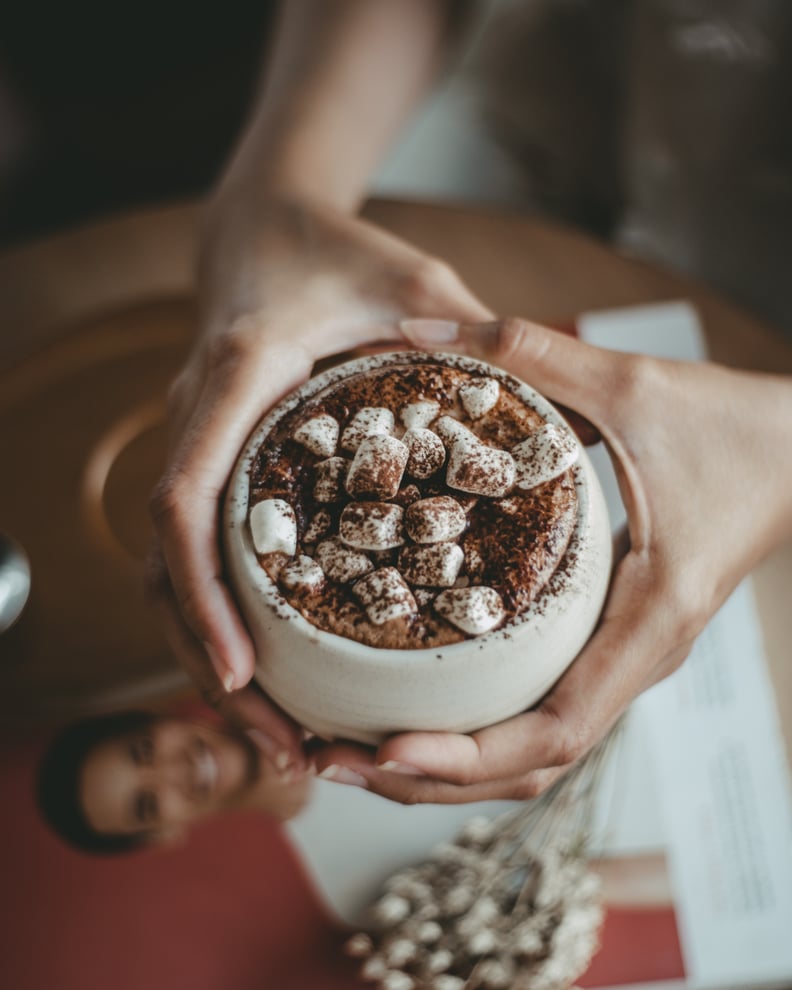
450	430
318	526
302	574
434	520
418	415
479	469
478	397
377	468
473	610
372	525
385	596
436	565
544	455
330	475
427	452
407	495
369	421
339	562
273	526
319	435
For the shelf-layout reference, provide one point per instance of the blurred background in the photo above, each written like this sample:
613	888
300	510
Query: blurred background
659	125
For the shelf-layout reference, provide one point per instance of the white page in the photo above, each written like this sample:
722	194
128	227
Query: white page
724	789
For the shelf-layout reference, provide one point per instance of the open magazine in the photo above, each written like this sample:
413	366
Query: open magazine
693	829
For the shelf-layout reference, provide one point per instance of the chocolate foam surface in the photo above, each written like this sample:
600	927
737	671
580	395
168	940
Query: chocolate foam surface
512	541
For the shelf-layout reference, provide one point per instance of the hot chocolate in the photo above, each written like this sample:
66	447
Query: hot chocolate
416	542
413	505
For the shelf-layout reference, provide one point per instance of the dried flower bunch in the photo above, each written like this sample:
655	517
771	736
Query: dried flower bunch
509	903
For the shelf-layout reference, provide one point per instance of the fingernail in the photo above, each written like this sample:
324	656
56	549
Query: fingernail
280	758
392	766
220	668
427	333
343	775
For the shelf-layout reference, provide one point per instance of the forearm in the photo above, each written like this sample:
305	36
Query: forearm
343	78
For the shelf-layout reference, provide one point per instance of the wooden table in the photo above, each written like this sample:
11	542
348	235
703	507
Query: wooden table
96	321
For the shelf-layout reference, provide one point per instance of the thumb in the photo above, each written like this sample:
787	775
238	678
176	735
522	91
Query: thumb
558	366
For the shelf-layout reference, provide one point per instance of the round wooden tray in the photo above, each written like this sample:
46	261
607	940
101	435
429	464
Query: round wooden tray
82	439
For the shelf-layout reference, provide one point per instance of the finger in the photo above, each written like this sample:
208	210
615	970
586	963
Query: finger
344	763
275	734
561	367
442	294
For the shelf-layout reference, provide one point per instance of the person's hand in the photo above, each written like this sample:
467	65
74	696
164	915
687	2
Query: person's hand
704	460
283	285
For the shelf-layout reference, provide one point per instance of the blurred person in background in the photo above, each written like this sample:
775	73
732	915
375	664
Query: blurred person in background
658	124
136	779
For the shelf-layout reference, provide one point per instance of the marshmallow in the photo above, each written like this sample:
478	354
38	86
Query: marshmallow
407	495
302	574
473	610
544	455
319	435
339	562
436	565
330	479
434	520
478	397
367	422
418	415
385	596
481	470
450	430
318	526
377	468
372	525
427	453
273	526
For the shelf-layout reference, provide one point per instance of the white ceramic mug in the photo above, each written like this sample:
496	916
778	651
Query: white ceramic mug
339	688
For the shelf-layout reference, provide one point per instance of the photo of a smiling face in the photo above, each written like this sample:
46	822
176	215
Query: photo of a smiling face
158	779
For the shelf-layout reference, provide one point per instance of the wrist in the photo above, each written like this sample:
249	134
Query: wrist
769	438
286	178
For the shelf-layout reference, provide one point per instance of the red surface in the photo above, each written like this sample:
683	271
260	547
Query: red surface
639	945
230	910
